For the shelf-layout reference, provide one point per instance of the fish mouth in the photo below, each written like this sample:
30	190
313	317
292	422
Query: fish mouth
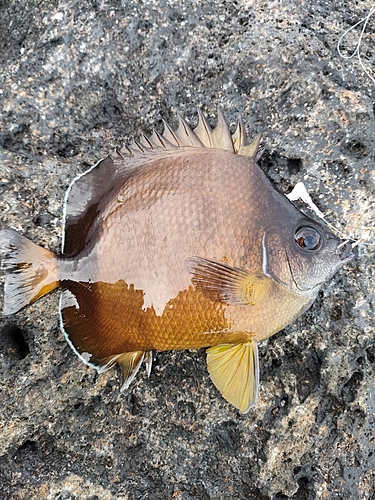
345	252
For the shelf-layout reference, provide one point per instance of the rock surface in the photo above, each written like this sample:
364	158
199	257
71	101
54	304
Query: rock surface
79	78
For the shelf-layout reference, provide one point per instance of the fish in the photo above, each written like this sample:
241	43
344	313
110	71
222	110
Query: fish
177	241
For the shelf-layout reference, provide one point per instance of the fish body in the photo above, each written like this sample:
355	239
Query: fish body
177	242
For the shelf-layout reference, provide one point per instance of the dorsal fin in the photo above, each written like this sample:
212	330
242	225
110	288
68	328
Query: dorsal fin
239	137
218	138
221	134
86	195
185	136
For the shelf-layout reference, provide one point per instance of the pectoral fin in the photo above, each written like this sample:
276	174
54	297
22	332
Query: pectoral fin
224	283
234	369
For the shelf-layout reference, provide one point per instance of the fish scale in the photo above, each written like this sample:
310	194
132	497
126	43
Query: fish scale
177	242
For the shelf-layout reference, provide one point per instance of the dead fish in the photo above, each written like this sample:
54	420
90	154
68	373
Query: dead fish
178	241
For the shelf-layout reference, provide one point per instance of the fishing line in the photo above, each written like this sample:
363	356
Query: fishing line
299	192
356	51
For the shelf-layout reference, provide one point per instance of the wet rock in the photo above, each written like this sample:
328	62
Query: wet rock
80	78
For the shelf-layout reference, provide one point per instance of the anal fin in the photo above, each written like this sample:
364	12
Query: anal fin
148	361
130	363
234	369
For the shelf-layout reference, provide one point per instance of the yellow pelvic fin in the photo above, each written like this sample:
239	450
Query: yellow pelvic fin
148	361
227	284
234	369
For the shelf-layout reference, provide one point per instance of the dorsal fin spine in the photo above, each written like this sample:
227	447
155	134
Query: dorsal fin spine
126	150
135	147
118	153
158	137
203	130
145	141
169	135
239	137
252	148
221	134
185	134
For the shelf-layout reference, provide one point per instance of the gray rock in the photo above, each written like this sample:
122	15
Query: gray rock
80	78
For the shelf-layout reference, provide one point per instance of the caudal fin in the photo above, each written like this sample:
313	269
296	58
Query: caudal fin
29	270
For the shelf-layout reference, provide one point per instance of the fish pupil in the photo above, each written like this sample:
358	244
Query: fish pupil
308	238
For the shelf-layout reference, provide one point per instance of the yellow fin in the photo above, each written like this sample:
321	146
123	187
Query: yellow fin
148	361
223	283
234	369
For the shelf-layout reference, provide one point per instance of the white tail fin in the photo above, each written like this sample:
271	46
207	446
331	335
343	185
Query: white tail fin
30	270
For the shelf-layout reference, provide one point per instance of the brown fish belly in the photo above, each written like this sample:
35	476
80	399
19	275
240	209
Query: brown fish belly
120	324
111	320
132	287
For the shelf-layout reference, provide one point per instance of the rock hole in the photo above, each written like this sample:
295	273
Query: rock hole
370	353
303	492
336	313
354	148
280	496
294	165
16	342
349	391
28	446
276	363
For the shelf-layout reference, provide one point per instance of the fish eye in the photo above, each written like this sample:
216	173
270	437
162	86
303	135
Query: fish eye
308	238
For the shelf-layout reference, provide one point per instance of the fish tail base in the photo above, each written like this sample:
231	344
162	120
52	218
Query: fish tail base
29	270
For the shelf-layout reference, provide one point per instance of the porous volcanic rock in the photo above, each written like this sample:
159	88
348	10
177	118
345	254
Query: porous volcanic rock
79	78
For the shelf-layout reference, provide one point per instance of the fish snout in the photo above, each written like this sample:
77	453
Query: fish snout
345	251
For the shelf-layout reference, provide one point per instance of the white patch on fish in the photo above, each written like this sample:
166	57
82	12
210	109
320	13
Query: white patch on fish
264	256
70	300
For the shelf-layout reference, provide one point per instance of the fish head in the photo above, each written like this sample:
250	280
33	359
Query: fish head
302	255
